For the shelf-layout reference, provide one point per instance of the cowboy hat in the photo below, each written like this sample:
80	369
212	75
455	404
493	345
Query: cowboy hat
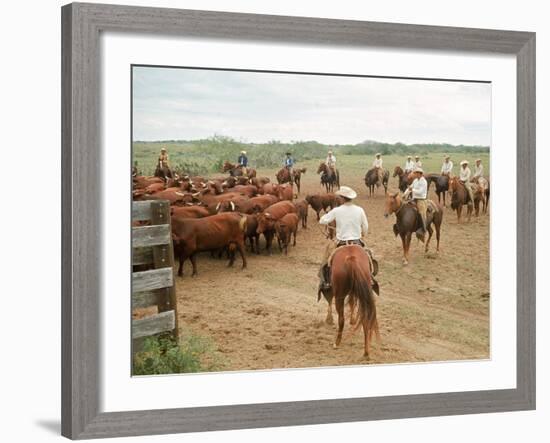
409	156
289	153
418	169
378	154
162	149
346	191
416	156
447	156
478	160
463	162
330	151
243	152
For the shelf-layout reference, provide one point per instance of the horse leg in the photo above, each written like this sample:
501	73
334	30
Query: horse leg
459	212
437	233
430	231
339	302
408	240
404	242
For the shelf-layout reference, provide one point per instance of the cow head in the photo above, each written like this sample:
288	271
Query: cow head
266	222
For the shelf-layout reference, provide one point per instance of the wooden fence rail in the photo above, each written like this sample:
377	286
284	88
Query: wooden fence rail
152	248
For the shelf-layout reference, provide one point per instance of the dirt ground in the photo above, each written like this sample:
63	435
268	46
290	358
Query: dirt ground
267	315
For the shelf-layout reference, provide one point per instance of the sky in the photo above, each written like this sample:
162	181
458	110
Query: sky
256	107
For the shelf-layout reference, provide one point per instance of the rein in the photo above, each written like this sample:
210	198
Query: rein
325	234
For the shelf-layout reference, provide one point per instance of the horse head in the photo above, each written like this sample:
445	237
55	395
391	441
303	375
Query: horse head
393	203
397	171
322	168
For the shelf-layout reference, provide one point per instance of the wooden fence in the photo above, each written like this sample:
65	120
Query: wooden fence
152	250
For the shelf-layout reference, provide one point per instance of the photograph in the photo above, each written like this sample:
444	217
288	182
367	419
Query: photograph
285	220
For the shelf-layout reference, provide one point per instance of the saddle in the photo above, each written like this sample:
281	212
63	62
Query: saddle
373	262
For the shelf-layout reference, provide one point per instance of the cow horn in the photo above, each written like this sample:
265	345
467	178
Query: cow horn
218	207
232	206
179	193
196	194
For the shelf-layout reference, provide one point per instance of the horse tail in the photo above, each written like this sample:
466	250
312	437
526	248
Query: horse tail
361	290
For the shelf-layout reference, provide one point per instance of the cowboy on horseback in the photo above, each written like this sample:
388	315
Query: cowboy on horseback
331	161
478	171
447	167
162	165
409	165
417	162
377	164
465	175
351	225
419	191
289	166
243	162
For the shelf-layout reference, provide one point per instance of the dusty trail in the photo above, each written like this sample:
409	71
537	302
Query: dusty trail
267	316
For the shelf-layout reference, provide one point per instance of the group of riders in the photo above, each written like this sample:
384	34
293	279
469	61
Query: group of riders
350	219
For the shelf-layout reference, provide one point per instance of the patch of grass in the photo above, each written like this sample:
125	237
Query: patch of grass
162	355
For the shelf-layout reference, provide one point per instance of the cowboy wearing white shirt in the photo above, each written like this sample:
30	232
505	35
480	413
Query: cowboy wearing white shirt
351	225
447	167
331	160
419	191
409	165
465	175
417	162
478	171
377	164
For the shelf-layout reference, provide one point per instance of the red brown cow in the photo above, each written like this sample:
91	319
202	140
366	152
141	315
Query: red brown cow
285	228
322	202
142	182
249	190
259	182
219	231
189	211
286	192
251	234
246	205
270	188
267	219
302	210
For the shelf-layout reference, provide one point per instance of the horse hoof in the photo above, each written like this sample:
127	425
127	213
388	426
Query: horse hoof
405	262
329	321
334	346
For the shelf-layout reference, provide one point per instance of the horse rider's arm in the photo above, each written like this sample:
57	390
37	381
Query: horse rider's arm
328	217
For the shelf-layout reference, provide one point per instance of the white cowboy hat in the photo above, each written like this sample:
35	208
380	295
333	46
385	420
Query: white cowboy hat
330	151
378	154
418	169
243	152
463	162
416	156
346	191
409	156
447	156
162	149
478	160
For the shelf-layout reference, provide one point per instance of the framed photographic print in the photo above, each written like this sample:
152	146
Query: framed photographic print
273	221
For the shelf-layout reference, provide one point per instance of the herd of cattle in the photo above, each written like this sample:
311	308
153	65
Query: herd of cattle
229	214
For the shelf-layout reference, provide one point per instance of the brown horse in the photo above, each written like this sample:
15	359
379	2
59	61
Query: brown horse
330	177
298	176
441	186
485	186
408	221
236	170
403	178
460	197
351	276
371	180
283	176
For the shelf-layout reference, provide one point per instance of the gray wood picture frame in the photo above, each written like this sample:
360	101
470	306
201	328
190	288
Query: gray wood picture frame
81	205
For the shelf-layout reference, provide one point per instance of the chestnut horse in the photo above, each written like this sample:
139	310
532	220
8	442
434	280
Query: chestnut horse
404	180
408	221
351	276
329	177
283	176
460	197
371	180
236	170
